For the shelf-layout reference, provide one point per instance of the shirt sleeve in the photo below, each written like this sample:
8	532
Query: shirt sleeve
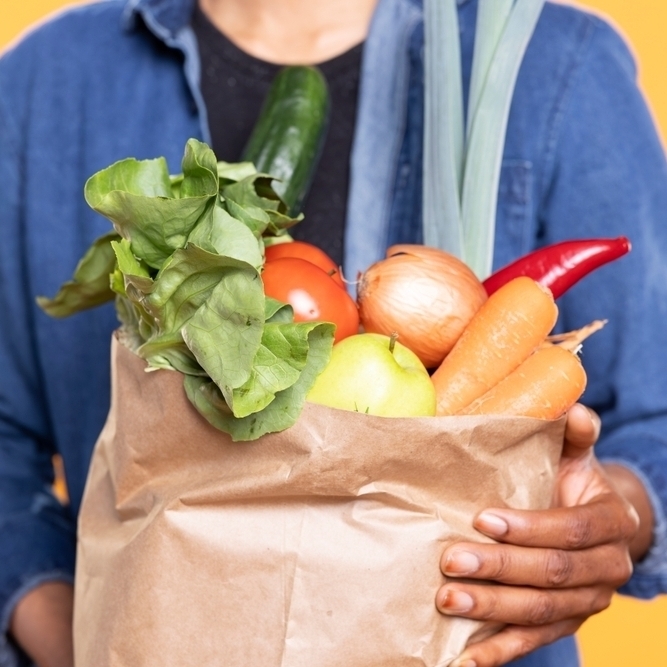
608	177
37	533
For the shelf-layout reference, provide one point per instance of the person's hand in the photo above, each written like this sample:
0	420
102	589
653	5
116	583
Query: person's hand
554	568
42	624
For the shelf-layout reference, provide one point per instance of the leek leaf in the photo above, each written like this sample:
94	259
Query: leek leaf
492	18
443	128
487	137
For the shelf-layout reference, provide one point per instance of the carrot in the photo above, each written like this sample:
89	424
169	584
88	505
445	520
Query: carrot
512	323
545	386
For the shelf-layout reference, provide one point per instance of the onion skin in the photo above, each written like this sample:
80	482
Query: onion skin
423	294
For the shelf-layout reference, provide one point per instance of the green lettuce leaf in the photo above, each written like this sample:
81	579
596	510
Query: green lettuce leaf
132	282
200	171
255	219
220	233
253	201
279	223
231	172
138	198
254	191
277	365
132	332
170	354
186	282
91	283
183	285
226	331
278	415
132	269
277	311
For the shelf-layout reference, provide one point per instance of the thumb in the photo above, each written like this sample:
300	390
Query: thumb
582	430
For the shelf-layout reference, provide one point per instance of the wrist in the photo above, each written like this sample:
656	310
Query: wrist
632	489
42	624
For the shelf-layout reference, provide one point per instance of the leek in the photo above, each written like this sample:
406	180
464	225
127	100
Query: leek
468	181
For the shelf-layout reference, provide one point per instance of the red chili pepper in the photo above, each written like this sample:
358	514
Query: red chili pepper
561	265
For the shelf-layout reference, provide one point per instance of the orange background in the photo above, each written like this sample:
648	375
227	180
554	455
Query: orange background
630	632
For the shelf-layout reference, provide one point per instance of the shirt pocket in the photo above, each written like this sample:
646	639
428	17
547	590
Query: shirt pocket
515	228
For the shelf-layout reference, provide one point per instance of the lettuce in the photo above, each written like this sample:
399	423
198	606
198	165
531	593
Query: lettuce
183	265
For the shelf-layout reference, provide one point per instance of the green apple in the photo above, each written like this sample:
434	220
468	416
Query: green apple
375	374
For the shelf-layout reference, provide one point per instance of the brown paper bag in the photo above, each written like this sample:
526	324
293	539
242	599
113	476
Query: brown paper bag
315	547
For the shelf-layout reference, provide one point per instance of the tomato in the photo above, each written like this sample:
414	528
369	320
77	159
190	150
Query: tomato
312	293
309	252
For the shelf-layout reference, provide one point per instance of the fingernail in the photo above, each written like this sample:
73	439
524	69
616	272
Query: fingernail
491	524
456	602
464	663
582	409
461	562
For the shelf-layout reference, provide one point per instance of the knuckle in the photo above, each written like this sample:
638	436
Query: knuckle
558	568
601	601
622	571
506	646
541	610
487	605
630	525
579	534
527	640
524	644
500	566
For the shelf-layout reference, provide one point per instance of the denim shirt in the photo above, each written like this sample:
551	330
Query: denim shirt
117	79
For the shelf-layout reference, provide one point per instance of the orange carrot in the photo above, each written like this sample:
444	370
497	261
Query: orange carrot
545	386
502	334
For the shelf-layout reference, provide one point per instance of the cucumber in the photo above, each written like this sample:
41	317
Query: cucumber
287	139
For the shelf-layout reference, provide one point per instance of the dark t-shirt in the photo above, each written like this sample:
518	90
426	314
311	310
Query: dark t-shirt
234	86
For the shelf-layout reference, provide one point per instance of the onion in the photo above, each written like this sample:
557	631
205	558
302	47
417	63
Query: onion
425	295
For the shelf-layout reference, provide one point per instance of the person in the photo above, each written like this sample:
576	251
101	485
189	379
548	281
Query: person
139	77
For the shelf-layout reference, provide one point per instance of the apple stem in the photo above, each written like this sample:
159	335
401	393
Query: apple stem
392	342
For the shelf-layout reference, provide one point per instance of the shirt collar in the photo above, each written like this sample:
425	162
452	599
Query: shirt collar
168	15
